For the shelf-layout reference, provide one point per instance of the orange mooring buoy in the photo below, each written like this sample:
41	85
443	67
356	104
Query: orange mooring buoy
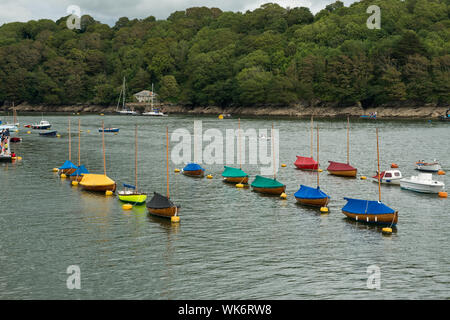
441	172
443	194
394	166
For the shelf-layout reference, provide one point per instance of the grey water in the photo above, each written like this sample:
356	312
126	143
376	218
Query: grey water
230	243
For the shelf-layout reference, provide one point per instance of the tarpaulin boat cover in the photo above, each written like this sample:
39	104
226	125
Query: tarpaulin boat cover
129	186
263	182
80	170
159	202
192	167
310	193
305	163
366	207
94	180
67	165
337	166
230	172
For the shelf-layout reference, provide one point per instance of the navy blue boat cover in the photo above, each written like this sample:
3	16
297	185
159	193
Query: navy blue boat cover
80	170
159	202
192	167
67	165
310	193
129	186
366	207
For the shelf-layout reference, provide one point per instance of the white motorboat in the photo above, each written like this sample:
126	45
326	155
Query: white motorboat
44	124
422	183
10	127
389	177
428	166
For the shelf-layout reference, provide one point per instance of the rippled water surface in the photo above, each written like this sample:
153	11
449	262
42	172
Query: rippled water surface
231	243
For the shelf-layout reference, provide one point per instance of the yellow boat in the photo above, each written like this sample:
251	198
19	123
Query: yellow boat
132	197
97	182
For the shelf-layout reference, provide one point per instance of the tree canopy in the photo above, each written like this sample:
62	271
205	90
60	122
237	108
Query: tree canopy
204	56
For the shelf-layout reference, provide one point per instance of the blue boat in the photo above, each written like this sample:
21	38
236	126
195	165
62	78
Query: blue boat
109	130
193	170
370	212
48	133
312	196
78	173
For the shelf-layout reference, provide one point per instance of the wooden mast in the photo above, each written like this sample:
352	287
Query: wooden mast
312	128
317	155
79	142
167	160
273	152
348	140
70	143
379	173
103	146
136	157
240	151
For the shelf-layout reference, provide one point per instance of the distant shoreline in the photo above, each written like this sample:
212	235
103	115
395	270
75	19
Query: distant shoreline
427	111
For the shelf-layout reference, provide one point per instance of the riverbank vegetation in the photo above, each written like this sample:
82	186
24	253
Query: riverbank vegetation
204	56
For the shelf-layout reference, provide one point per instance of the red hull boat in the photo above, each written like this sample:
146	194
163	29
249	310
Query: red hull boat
305	163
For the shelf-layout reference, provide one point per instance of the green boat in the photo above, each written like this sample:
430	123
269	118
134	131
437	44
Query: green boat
268	186
234	175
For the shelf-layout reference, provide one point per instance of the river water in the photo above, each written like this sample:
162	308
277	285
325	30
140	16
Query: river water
230	243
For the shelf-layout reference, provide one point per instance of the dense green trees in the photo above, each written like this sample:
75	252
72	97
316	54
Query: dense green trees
203	56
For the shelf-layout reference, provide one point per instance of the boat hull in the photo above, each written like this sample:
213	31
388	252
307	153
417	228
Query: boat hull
387	218
165	212
417	187
67	171
133	198
196	173
236	180
395	182
323	202
344	173
5	159
76	178
429	168
272	191
99	188
307	167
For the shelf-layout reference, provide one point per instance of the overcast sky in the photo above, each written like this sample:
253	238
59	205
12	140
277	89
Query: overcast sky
108	11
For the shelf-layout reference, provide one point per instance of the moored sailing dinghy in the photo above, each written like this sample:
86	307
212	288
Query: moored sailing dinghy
131	193
77	175
343	169
307	163
193	170
371	211
68	167
313	196
234	175
99	182
160	205
268	185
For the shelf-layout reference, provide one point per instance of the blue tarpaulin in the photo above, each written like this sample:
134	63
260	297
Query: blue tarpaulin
192	167
80	170
310	193
67	165
129	186
366	207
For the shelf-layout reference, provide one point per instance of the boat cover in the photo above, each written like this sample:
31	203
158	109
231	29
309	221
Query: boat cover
129	186
230	172
337	166
67	165
159	202
263	182
80	170
366	207
306	163
192	167
96	180
310	193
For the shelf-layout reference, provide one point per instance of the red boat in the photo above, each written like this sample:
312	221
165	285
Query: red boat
27	126
16	139
306	163
341	169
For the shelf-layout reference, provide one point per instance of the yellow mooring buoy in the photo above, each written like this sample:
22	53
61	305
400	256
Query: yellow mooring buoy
239	185
386	230
75	183
209	176
175	219
221	116
127	206
283	196
63	176
283	165
324	210
176	170
108	193
363	178
55	170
